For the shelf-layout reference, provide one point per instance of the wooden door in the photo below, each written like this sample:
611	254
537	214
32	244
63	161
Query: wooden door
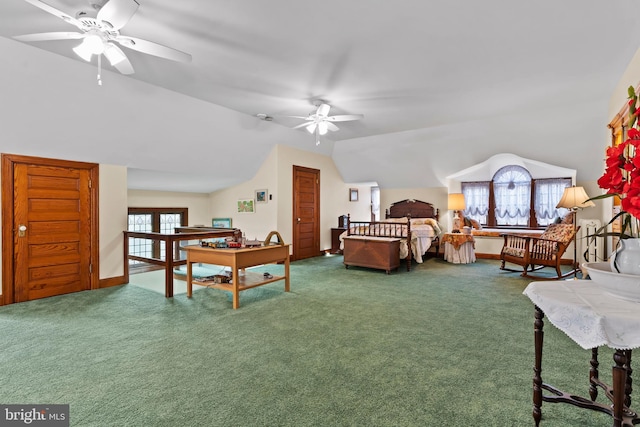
306	212
50	234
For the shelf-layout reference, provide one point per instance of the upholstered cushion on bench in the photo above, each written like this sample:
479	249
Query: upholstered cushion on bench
559	233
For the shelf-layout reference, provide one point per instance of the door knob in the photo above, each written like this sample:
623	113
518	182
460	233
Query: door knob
22	230
298	219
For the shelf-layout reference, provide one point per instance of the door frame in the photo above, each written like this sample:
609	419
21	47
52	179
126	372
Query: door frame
7	176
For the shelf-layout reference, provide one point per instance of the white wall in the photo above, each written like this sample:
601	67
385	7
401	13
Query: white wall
437	196
197	203
276	175
113	219
224	203
630	77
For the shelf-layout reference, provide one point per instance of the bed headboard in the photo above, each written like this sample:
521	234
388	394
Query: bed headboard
412	208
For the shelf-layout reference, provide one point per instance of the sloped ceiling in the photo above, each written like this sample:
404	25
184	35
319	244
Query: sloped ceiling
442	86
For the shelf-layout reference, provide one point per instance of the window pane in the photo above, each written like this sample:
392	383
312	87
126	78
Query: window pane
512	196
476	196
140	247
168	222
548	193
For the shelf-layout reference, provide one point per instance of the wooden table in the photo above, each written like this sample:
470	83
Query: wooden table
238	259
592	318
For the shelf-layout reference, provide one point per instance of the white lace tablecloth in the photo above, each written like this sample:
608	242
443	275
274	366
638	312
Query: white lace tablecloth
463	255
588	315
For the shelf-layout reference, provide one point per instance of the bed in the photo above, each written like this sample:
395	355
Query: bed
381	244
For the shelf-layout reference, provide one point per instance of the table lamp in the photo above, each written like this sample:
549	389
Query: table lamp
456	204
574	198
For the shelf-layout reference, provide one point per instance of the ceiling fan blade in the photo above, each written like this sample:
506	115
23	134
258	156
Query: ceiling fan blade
118	59
124	67
331	126
118	12
294	117
39	37
345	117
52	10
323	109
152	48
301	125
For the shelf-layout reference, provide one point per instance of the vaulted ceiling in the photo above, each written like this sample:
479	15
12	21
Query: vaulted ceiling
441	85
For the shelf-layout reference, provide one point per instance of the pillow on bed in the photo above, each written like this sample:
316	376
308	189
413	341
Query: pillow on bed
418	221
433	223
402	220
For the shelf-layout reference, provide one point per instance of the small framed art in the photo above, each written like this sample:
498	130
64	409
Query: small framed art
246	206
262	196
221	222
353	194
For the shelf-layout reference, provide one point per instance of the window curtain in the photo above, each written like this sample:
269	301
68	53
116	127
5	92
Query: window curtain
548	193
375	203
476	196
512	195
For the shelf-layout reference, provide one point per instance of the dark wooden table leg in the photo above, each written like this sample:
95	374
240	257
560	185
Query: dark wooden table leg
593	374
538	334
619	386
628	389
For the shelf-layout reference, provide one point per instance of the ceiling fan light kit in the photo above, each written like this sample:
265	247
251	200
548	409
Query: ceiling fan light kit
91	45
100	28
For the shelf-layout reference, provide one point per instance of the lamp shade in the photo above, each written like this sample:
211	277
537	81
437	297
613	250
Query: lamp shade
575	198
456	202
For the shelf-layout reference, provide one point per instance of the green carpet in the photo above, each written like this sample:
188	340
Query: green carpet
441	345
154	280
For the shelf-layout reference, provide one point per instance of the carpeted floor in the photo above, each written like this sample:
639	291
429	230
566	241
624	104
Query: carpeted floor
154	280
441	345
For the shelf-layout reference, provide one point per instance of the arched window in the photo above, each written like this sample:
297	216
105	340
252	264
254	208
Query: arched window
510	198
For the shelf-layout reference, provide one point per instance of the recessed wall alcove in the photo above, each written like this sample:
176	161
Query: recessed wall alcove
484	171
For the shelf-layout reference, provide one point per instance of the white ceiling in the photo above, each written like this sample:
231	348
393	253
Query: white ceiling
442	84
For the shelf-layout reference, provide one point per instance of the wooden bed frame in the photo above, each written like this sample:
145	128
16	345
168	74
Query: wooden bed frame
364	249
412	208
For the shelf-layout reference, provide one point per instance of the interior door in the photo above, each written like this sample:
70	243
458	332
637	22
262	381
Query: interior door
52	229
306	212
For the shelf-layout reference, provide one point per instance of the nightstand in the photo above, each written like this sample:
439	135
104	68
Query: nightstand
459	248
335	240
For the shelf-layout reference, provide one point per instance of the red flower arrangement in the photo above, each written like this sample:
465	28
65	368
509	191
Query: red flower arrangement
622	174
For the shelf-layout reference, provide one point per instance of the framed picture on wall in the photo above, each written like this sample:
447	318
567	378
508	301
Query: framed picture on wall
246	206
262	196
221	222
353	194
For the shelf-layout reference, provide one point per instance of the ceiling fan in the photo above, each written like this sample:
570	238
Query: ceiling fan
319	121
99	29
